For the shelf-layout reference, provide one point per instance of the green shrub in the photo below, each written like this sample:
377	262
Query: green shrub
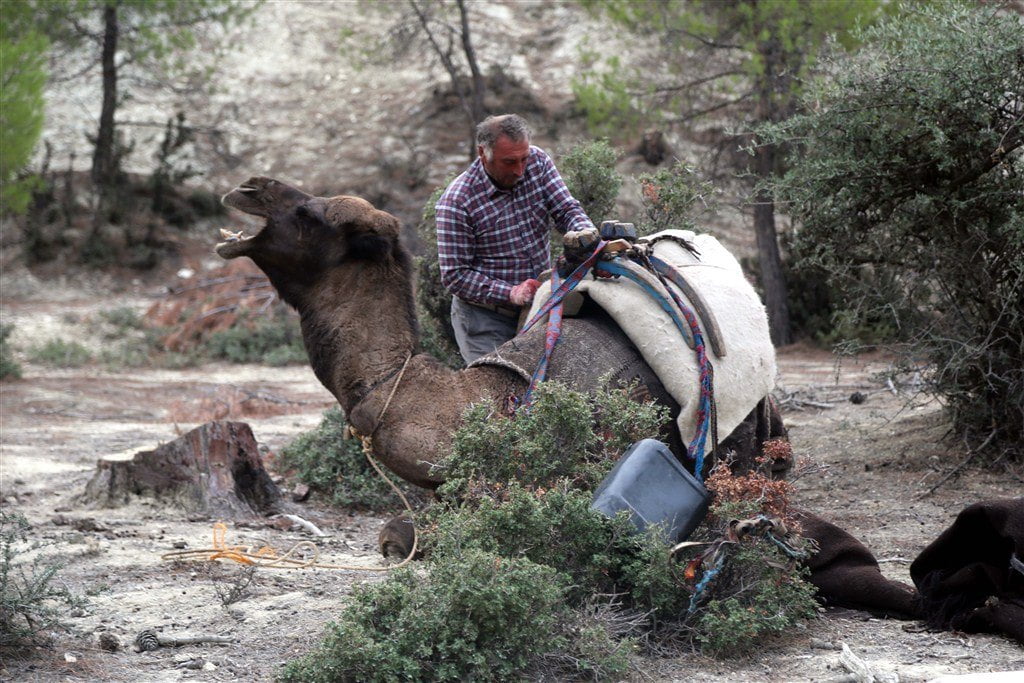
550	441
533	524
604	95
674	197
121	321
472	616
522	573
9	368
336	466
29	602
61	354
589	172
904	187
274	341
754	598
563	435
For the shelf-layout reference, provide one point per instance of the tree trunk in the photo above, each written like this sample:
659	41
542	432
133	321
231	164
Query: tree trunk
103	163
766	164
769	257
214	470
477	80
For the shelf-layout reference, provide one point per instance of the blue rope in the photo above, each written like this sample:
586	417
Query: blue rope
702	585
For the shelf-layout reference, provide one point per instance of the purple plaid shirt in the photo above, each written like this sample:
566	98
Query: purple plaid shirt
489	239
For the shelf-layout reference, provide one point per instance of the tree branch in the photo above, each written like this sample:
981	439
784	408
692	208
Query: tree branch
699	81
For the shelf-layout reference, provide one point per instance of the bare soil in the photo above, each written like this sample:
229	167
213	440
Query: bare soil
880	458
289	105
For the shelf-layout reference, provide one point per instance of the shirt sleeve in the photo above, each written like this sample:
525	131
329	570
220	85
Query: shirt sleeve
456	248
566	211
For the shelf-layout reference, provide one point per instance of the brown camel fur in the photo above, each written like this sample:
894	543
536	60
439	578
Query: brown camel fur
341	264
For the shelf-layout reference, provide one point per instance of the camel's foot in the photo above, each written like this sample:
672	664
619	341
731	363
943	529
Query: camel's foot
396	539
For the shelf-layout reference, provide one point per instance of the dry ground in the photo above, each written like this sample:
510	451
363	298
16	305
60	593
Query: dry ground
881	458
289	105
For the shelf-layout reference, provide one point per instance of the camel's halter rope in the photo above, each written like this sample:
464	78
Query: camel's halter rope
267	557
612	260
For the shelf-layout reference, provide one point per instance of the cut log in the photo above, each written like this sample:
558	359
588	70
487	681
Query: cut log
214	470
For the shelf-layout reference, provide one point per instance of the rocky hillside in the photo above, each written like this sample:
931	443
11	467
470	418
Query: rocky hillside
293	98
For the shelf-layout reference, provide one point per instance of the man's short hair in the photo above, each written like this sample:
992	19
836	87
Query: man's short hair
512	126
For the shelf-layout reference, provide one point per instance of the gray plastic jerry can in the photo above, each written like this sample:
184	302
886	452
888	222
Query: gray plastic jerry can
656	489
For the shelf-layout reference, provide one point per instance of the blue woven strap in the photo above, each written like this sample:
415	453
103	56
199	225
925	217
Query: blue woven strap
554	330
696	448
617	268
560	292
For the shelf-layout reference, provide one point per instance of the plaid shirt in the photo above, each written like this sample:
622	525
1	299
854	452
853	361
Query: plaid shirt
489	239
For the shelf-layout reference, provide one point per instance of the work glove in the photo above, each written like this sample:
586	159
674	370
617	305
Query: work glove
522	293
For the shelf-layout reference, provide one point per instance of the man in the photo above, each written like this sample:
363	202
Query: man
493	225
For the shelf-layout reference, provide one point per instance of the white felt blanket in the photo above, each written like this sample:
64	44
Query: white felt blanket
742	377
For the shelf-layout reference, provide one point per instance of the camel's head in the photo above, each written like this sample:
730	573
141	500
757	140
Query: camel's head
303	235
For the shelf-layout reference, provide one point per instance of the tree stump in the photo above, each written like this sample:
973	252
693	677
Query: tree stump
653	147
213	470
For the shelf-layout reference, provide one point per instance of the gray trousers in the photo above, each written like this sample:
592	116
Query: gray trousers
479	331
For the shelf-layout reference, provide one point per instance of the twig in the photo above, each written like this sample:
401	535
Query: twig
308	526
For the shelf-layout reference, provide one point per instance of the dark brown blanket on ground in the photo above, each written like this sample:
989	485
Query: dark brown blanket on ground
971	578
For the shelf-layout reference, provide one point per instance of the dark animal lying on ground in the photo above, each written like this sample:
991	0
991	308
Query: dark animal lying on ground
970	578
846	574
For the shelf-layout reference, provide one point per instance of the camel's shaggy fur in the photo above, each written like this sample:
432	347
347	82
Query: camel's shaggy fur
341	264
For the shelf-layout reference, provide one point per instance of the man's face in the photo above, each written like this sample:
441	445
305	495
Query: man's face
508	163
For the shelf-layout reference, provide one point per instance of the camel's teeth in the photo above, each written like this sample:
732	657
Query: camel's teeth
230	236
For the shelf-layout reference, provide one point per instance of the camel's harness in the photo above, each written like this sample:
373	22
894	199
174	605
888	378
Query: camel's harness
617	258
612	258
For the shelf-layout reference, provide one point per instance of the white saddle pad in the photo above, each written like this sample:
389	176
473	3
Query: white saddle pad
745	374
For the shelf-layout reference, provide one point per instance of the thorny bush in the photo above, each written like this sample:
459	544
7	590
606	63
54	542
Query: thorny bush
517	560
905	188
30	595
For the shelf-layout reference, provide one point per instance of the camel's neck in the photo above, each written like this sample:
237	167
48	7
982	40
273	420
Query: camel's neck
358	327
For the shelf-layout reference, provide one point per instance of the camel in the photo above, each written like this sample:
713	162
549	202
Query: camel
341	264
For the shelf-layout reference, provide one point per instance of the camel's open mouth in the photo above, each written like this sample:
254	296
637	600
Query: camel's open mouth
243	198
234	244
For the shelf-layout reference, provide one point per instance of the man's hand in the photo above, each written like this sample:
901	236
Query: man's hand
522	293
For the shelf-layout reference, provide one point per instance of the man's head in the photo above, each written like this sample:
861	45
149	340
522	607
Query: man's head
503	144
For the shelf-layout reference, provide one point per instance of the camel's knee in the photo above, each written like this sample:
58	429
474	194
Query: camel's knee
396	539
